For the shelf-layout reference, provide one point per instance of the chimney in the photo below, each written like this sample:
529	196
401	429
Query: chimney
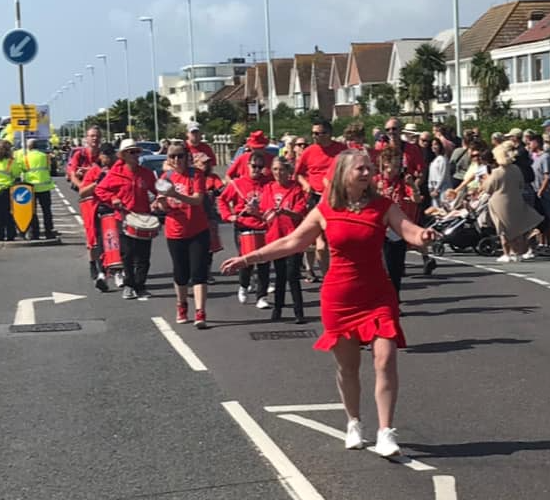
534	17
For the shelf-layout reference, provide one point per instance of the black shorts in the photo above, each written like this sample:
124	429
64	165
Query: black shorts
190	258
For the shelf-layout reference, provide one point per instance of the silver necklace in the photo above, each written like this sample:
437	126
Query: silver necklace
357	206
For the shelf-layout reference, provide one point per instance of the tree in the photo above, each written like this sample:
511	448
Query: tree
491	79
385	99
410	84
283	111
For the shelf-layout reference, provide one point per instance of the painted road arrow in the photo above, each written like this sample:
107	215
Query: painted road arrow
25	308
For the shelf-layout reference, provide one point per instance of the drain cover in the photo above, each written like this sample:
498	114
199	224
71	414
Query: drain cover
46	328
284	335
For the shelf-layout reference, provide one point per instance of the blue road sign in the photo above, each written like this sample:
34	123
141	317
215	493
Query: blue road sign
19	46
22	195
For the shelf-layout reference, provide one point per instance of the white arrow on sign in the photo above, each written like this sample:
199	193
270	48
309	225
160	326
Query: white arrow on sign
16	51
25	308
20	197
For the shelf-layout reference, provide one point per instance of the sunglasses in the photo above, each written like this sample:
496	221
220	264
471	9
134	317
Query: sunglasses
256	167
301	144
179	156
392	129
134	152
318	133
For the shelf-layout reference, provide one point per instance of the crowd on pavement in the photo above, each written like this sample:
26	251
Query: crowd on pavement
336	210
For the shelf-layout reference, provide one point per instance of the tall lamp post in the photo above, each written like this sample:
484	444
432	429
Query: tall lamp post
457	72
60	95
149	20
192	51
269	67
72	83
91	69
124	41
67	105
80	78
103	57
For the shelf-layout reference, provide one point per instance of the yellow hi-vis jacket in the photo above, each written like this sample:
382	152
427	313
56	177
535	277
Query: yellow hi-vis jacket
10	170
37	171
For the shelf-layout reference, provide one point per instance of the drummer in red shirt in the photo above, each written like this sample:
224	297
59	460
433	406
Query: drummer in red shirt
85	158
195	145
311	170
126	188
240	204
256	143
187	231
284	207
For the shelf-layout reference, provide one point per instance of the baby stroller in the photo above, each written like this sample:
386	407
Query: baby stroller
468	228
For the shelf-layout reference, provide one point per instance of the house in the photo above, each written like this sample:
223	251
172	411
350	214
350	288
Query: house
403	51
281	68
497	28
527	64
367	64
299	89
321	95
337	80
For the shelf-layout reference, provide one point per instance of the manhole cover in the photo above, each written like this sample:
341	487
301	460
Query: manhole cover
284	335
46	328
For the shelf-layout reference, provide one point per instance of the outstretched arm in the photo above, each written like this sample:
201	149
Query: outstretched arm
410	232
296	242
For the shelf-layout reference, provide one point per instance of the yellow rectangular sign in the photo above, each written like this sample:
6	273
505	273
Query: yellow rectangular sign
24	117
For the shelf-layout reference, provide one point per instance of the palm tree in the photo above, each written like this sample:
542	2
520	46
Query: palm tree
410	84
432	61
491	79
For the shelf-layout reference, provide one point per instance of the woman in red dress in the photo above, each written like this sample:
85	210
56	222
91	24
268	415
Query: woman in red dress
358	302
284	207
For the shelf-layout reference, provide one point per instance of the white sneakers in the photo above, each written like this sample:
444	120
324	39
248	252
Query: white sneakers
506	259
354	436
262	303
242	295
271	288
529	255
386	444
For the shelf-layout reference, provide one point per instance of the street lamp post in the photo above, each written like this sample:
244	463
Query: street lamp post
91	68
67	104
80	77
104	58
154	71
58	108
457	72
72	83
192	51
125	42
269	67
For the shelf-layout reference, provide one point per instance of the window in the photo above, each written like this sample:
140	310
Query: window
172	90
541	66
521	69
508	65
299	101
239	70
204	72
209	86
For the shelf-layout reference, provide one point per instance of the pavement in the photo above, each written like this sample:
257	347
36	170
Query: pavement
127	404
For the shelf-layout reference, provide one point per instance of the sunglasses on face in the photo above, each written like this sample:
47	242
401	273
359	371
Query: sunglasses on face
179	156
301	144
134	152
318	133
256	167
392	129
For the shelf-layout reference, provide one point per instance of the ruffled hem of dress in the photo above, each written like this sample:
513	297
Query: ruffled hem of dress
381	326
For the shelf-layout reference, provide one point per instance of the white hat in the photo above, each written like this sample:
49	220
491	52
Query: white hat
410	128
193	127
128	144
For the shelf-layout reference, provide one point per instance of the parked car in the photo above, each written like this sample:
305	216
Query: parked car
149	145
272	150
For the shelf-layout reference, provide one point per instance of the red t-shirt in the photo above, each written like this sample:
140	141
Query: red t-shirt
82	158
236	196
316	161
91	176
131	188
213	182
399	192
240	166
184	221
202	147
289	197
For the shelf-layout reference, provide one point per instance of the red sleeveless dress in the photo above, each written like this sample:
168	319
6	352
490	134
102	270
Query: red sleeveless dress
357	296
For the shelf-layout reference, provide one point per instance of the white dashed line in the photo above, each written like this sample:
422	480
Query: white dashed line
66	202
312	407
517	275
71	209
538	282
294	482
445	487
79	219
179	345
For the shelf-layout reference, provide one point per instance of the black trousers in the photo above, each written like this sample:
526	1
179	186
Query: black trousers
136	258
45	200
190	259
288	270
395	253
245	274
7	225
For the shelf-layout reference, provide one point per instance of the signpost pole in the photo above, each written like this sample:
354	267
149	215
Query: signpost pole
21	75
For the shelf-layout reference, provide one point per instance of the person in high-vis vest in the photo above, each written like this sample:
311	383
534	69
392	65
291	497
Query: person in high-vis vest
37	172
10	169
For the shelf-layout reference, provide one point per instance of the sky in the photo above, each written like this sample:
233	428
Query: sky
71	33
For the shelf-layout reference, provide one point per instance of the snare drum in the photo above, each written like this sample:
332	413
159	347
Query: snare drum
251	240
141	226
215	241
111	242
88	208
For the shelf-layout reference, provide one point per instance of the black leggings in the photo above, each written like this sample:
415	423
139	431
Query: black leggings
190	259
287	270
395	253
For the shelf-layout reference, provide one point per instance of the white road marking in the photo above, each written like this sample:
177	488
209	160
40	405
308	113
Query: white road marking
493	270
62	224
295	483
79	219
445	487
517	275
312	407
331	431
24	315
66	202
71	209
538	282
179	345
60	194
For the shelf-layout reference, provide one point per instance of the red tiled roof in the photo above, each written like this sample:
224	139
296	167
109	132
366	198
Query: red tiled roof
321	79
498	27
539	32
281	75
250	82
232	93
372	60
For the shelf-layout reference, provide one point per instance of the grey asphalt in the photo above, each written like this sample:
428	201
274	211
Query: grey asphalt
112	411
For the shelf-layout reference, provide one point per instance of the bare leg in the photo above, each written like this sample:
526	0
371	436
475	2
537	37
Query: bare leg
348	360
505	246
199	291
384	353
181	294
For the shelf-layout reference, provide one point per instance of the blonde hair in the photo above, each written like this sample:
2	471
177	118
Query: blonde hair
338	195
504	154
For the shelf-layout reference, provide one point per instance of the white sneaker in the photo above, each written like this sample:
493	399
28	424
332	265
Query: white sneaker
271	289
262	303
529	255
354	436
515	258
504	259
242	295
386	445
119	279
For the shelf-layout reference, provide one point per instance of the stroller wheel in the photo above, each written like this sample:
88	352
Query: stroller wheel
438	248
487	246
